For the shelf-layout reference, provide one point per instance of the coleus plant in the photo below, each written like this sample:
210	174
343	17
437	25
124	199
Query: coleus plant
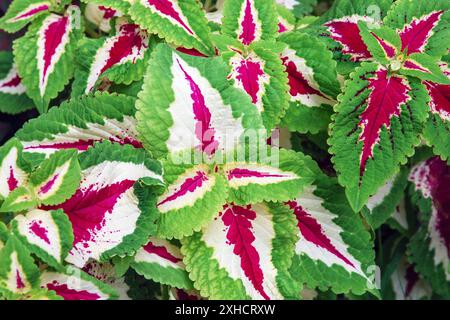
255	156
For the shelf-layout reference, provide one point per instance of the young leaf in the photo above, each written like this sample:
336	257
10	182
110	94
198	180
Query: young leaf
22	12
429	248
423	27
75	284
18	200
244	253
13	99
187	103
193	197
161	261
425	68
377	124
110	214
79	123
334	249
260	74
48	234
13	169
437	128
252	182
313	84
121	58
18	273
57	179
182	23
44	56
250	20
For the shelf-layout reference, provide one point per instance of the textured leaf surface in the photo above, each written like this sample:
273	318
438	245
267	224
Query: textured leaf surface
376	127
75	284
187	103
161	261
79	123
18	273
121	58
44	56
334	250
13	99
250	20
429	248
182	23
48	234
21	12
110	214
313	84
244	253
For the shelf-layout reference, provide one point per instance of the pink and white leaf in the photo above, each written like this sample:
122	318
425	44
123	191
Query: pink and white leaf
160	252
249	23
12	83
440	95
12	176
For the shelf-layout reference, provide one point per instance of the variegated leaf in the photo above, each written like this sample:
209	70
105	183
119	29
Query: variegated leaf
22	12
244	253
194	195
48	234
384	203
101	16
437	128
252	182
13	99
181	22
44	56
334	250
57	178
313	84
250	20
13	170
430	247
75	284
423	28
106	272
187	103
286	19
377	124
121	5
18	273
120	58
110	213
161	261
259	73
79	123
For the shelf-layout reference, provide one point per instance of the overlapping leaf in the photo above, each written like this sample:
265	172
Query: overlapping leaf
313	84
182	23
334	250
120	58
244	253
44	56
21	12
13	99
110	213
377	124
161	261
48	234
429	248
187	103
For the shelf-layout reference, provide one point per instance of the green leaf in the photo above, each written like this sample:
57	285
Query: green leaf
280	180
369	146
13	99
48	234
250	20
181	93
122	5
383	43
22	12
313	83
161	261
244	254
18	273
54	37
425	68
189	29
19	200
334	251
57	179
